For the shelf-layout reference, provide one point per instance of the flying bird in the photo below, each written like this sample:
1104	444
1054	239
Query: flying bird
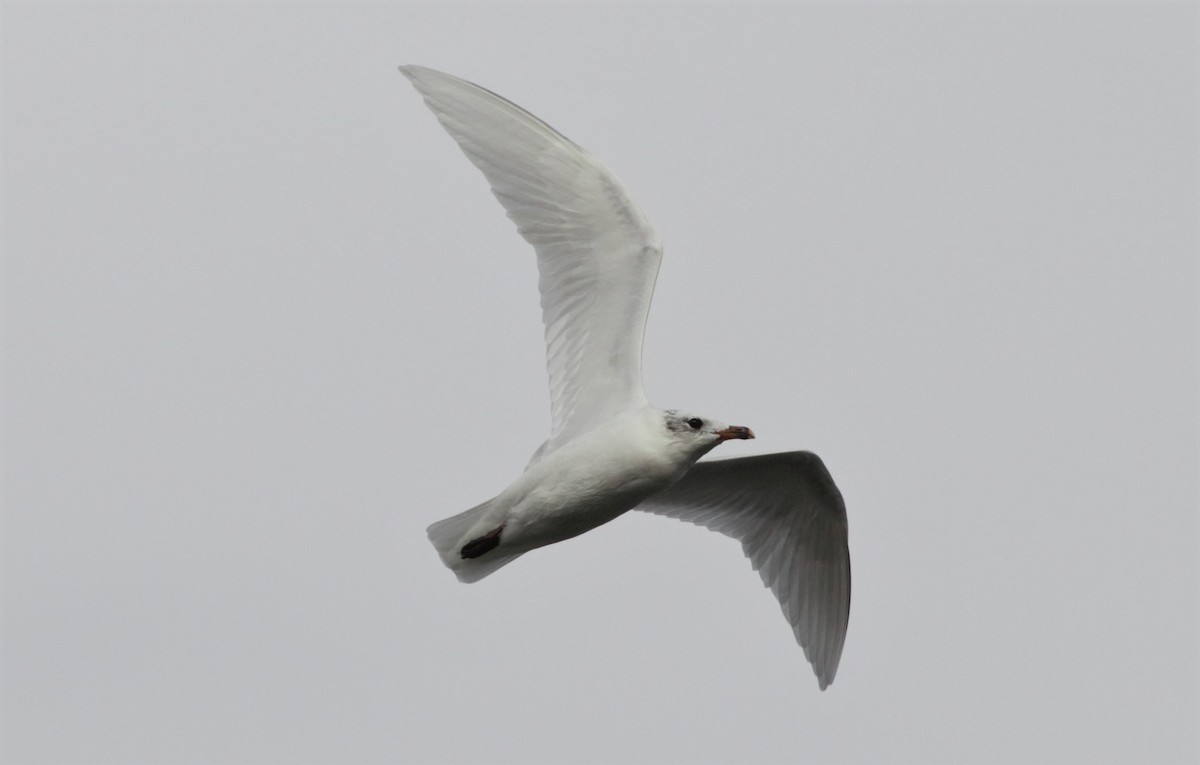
609	450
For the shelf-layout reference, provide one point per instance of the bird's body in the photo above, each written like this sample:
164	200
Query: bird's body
588	482
609	450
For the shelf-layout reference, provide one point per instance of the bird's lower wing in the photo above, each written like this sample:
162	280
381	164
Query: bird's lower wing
791	520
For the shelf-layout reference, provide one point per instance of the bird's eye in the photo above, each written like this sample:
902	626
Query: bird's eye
695	423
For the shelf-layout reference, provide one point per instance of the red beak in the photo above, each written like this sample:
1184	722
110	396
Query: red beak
735	431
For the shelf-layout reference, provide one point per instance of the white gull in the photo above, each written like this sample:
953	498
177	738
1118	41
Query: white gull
609	450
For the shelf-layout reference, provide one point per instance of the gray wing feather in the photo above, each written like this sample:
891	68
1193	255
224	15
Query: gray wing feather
597	253
791	520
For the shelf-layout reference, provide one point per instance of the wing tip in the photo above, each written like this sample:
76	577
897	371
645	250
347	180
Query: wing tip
421	75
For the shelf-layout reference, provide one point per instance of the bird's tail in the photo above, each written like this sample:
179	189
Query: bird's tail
450	534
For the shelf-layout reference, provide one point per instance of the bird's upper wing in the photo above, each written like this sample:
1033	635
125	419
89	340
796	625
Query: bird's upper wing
597	254
791	520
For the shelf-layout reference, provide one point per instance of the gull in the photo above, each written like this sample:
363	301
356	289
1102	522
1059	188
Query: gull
609	450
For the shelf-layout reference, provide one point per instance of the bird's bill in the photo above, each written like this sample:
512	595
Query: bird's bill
735	431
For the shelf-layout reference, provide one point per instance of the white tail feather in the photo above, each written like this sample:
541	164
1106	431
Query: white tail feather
450	534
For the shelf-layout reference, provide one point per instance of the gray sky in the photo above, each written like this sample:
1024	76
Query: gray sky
263	323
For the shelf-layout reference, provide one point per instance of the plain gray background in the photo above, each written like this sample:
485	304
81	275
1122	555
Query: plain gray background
263	323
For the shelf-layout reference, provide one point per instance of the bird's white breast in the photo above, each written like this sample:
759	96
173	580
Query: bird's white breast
590	481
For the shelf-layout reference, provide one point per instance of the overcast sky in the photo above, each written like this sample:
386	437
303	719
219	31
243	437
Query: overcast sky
263	323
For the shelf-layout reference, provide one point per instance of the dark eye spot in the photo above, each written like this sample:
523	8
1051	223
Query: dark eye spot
695	423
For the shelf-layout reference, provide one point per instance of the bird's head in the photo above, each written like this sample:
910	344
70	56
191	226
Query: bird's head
698	434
